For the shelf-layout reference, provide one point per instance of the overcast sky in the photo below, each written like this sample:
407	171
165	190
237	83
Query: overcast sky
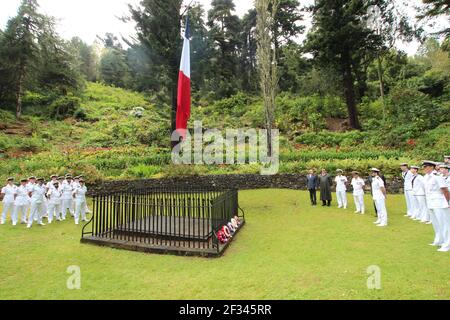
89	18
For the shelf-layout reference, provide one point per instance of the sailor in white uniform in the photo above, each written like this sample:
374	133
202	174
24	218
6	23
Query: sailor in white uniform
446	174
407	186
341	189
8	193
358	192
30	186
21	203
438	199
419	201
67	197
80	201
37	194
379	197
87	208
54	204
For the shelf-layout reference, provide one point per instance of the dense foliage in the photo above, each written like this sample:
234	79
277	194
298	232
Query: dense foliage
106	109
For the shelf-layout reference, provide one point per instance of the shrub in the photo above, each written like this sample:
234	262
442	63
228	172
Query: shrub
64	107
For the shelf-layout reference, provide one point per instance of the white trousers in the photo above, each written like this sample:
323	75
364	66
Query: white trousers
7	207
80	209
342	199
381	210
66	204
36	212
409	203
443	217
54	211
422	210
21	211
437	226
359	203
415	207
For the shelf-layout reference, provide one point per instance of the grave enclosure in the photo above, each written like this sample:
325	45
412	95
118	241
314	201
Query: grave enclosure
163	220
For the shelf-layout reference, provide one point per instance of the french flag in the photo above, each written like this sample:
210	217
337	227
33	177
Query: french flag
184	85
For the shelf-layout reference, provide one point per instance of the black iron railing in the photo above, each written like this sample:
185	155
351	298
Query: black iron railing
163	217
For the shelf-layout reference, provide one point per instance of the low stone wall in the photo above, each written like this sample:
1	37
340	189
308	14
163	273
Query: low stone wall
241	182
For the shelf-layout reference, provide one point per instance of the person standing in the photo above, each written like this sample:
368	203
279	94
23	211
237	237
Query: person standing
446	174
420	204
30	186
312	182
67	197
325	183
80	201
8	193
341	189
358	192
379	196
37	203
438	199
407	186
54	204
22	202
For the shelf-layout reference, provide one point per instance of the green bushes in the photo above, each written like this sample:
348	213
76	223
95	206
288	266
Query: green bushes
338	139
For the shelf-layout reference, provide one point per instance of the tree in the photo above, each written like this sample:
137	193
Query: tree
20	50
248	63
267	62
88	59
225	28
437	8
387	19
340	39
33	56
158	25
113	68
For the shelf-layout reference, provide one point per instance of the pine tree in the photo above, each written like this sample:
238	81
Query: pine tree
158	26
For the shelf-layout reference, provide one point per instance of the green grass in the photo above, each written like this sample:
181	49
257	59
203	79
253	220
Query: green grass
287	250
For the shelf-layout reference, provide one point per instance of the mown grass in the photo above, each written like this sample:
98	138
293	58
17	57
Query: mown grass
287	250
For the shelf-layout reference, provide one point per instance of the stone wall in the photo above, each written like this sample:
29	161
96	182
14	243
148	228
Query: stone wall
241	182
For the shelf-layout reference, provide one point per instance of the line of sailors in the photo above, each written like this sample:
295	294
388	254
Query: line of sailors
428	198
40	200
378	193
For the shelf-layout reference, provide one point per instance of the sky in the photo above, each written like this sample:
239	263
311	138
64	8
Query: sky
89	18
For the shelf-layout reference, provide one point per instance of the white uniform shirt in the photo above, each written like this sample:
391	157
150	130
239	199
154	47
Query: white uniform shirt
50	185
55	195
358	186
9	191
408	176
418	183
377	184
434	194
66	190
22	198
38	193
340	183
80	193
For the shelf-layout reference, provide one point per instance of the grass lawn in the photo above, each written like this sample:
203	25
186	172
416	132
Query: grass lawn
287	250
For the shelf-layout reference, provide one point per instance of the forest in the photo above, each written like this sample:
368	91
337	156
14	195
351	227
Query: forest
347	97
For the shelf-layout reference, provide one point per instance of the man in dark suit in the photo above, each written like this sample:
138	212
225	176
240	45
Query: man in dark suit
312	182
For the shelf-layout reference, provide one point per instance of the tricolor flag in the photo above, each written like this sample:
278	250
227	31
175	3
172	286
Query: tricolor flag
184	85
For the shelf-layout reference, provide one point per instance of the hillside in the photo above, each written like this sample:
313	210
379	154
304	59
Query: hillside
106	140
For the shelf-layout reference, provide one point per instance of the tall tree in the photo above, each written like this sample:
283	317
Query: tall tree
225	28
87	59
267	62
248	63
340	39
158	25
20	52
